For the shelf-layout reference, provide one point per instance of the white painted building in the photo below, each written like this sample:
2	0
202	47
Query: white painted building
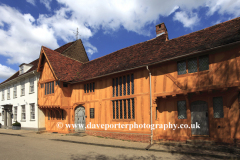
19	97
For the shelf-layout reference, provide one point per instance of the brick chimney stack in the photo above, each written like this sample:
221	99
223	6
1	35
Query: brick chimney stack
161	29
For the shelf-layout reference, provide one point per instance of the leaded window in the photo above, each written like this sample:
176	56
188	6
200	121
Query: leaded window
91	112
113	86
116	87
120	86
182	109
203	63
218	107
192	65
132	83
128	84
124	85
49	88
121	116
89	87
123	109
133	113
117	115
113	109
181	67
129	109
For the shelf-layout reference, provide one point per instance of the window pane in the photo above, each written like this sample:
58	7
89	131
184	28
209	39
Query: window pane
128	84
113	109
124	85
133	113
90	87
113	86
181	67
218	107
84	88
192	65
121	109
132	83
87	88
52	87
116	87
129	109
117	111
93	86
91	112
181	109
120	86
125	109
203	63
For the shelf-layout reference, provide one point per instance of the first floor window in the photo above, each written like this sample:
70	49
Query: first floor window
123	109
22	88
15	113
23	113
3	95
90	87
32	111
49	88
91	112
123	86
15	91
181	105
8	93
218	107
31	89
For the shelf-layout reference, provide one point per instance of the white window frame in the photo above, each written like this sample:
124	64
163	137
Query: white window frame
15	91
23	113
23	88
15	113
8	93
3	95
32	111
31	85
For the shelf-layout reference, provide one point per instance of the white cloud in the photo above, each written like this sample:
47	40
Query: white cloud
25	34
6	72
188	20
32	2
46	3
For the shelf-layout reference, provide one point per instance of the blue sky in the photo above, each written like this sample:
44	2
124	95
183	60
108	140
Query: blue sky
104	26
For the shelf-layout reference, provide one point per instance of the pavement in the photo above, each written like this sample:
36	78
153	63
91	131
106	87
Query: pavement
183	149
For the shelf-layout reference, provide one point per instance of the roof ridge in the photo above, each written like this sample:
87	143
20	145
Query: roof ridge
205	28
64	55
120	50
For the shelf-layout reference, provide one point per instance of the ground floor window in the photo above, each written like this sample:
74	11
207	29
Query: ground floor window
15	113
32	111
123	109
91	112
218	107
2	115
56	114
23	113
181	105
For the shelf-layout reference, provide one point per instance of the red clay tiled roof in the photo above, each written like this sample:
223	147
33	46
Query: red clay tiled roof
63	67
145	53
34	67
64	47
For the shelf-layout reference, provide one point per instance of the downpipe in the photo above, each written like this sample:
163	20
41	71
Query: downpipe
150	85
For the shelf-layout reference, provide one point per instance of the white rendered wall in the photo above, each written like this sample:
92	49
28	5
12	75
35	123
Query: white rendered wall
26	100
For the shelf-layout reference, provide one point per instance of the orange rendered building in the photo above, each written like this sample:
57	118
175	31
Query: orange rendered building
192	79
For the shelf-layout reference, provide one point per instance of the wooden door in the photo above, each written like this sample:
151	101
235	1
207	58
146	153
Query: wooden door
80	119
199	115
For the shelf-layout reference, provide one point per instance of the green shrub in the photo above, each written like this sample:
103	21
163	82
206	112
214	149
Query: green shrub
16	124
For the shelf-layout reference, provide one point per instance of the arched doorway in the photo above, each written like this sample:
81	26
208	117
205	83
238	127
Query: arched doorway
199	115
80	119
